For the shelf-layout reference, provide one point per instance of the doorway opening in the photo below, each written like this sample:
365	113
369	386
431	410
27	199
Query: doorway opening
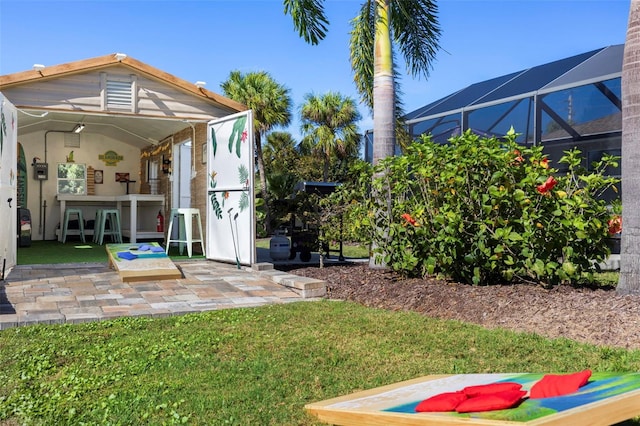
181	187
181	183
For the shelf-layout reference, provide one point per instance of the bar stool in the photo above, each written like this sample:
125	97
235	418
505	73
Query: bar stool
185	232
113	217
65	227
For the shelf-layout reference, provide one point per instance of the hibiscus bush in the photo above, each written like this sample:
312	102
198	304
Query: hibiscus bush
487	210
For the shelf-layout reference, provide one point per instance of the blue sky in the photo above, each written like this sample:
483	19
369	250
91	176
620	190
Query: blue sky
207	39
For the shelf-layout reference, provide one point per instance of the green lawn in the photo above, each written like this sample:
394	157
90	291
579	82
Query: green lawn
254	366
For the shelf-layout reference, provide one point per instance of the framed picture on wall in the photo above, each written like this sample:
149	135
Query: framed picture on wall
98	177
204	153
122	177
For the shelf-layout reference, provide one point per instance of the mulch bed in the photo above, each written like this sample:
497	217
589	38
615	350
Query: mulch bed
597	316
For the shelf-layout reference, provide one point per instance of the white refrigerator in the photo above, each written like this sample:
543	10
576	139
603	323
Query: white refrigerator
230	219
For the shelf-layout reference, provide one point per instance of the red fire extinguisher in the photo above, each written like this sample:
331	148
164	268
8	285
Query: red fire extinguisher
159	222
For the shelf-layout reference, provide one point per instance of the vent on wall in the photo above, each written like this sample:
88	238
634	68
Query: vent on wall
72	140
119	94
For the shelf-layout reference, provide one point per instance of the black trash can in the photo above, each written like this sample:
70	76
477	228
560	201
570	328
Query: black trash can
24	228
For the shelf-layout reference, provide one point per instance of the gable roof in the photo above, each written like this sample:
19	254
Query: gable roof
69	93
106	61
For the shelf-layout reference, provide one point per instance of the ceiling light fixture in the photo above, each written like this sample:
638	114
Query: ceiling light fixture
78	128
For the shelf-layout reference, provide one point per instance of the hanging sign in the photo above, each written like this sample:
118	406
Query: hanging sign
110	158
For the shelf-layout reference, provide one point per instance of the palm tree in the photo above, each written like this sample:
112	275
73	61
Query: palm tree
280	153
412	26
329	126
629	282
271	104
281	162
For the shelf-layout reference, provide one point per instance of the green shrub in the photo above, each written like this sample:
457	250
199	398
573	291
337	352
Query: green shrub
487	210
346	211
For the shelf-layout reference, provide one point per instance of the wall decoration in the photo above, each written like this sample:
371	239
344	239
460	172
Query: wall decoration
166	165
110	158
23	182
204	153
91	181
122	177
98	177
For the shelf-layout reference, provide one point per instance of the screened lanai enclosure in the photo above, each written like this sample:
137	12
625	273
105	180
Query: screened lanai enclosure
572	102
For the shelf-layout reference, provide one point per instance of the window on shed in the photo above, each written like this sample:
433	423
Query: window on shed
72	178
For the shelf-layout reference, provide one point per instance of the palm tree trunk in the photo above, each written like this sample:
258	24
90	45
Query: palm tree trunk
383	88
263	183
629	281
383	110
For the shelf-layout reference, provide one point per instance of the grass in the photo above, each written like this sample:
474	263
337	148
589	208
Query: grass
254	366
52	252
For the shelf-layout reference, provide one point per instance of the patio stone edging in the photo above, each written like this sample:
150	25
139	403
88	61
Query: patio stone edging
86	292
304	286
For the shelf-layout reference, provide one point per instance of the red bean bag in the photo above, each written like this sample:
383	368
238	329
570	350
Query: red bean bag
447	401
492	401
559	384
478	390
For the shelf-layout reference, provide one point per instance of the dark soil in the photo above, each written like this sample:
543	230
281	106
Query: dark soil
597	316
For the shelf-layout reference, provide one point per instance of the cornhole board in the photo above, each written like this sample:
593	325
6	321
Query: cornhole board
147	266
608	398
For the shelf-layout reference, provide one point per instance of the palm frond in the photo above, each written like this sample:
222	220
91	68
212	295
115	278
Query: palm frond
309	18
328	124
416	32
270	101
361	44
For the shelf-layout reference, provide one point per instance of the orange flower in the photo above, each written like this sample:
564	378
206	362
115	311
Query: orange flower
518	158
547	185
544	163
615	225
409	219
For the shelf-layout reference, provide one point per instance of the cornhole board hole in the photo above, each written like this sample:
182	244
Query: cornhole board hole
148	265
606	399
